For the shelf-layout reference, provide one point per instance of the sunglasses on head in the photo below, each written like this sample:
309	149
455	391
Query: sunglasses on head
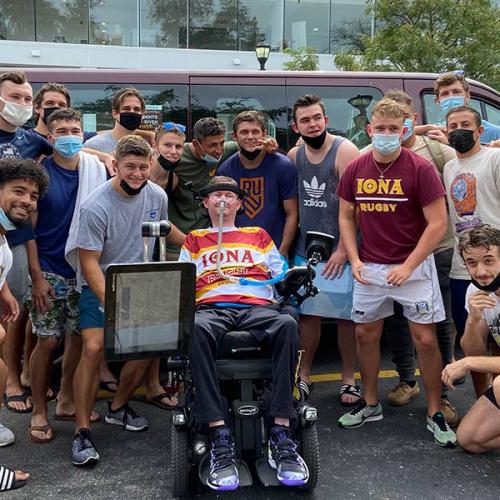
176	126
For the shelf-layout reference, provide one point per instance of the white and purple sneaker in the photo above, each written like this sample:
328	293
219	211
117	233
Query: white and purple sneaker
291	470
223	474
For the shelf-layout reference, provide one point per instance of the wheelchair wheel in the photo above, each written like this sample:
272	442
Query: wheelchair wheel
180	466
309	450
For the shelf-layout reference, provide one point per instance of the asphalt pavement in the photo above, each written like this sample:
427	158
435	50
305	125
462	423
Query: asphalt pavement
395	458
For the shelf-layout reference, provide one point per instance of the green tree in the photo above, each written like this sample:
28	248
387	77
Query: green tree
303	59
431	36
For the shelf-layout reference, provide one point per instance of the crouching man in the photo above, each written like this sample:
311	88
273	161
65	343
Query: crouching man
224	304
479	430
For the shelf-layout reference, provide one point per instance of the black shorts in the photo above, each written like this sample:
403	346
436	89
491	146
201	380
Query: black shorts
489	394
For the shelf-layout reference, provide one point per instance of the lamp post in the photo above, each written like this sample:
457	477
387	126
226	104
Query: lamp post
262	52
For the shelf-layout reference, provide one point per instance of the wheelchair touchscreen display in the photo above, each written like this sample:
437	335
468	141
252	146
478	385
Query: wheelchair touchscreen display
149	309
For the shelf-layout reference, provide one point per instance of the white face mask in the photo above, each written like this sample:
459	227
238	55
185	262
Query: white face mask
15	114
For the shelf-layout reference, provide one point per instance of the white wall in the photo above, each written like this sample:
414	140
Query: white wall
15	53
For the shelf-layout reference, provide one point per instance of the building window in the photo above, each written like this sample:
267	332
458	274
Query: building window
307	24
213	28
260	20
113	23
61	21
350	23
164	23
17	20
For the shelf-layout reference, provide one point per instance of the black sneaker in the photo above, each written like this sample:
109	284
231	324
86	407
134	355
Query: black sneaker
83	450
223	474
291	470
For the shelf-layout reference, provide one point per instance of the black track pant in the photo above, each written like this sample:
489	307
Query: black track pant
268	324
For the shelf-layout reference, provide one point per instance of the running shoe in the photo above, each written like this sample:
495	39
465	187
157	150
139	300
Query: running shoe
127	418
361	414
6	436
443	435
83	450
283	457
223	475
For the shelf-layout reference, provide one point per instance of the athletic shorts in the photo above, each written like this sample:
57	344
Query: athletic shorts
334	299
62	315
91	310
490	394
419	296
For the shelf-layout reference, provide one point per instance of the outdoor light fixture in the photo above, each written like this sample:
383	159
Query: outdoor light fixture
360	101
262	52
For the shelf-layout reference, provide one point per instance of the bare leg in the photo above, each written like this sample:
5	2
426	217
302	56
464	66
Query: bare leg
310	333
368	336
130	378
87	371
40	368
106	375
71	358
346	340
3	367
153	386
476	346
29	345
430	362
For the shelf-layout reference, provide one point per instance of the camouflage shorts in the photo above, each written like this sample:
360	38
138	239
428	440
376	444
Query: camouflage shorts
63	313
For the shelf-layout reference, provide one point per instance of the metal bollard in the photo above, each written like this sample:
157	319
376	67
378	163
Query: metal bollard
159	230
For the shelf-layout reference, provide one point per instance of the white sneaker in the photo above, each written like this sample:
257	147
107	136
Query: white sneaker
6	436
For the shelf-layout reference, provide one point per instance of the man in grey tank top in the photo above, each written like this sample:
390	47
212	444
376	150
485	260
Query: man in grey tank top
320	161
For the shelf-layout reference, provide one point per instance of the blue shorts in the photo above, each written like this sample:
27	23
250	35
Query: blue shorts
91	313
334	299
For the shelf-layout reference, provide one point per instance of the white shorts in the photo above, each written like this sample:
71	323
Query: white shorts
420	295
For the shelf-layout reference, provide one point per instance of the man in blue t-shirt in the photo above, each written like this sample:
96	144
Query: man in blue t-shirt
16	97
269	179
52	297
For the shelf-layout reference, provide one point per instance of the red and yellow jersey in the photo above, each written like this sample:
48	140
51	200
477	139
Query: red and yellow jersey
247	252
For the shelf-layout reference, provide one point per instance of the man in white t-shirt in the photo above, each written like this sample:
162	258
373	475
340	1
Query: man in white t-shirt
479	430
472	183
22	182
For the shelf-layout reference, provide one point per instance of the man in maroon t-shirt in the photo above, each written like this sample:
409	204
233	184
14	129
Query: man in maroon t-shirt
402	217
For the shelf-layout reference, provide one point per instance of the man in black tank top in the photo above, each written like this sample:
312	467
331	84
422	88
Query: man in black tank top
320	161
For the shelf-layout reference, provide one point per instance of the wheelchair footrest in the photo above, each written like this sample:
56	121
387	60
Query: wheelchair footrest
243	471
266	474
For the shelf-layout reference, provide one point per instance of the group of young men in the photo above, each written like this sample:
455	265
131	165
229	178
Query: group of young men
418	207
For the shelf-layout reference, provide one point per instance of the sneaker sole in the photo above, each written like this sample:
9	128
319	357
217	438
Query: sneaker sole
373	418
128	427
284	481
413	396
88	461
7	443
448	444
224	487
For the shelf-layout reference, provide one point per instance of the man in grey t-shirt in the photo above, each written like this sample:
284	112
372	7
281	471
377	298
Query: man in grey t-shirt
110	232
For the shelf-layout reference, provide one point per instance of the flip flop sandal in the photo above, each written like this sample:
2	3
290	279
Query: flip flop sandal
8	480
352	390
305	388
106	386
20	398
156	401
72	417
41	428
53	395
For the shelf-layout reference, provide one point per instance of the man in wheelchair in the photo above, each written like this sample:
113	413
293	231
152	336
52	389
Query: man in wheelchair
227	265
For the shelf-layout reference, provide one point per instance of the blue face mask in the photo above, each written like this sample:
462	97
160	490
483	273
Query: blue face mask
210	160
409	132
68	145
450	103
5	222
386	144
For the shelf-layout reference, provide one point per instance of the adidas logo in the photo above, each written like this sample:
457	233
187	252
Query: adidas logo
313	190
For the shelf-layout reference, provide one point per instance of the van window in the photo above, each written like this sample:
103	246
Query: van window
348	110
226	101
492	114
93	100
433	113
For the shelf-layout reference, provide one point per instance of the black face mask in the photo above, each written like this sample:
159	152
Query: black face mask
130	121
130	190
250	155
315	142
168	165
491	287
47	112
462	140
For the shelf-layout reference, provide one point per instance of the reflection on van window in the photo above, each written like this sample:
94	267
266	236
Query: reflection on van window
434	114
94	102
225	102
492	114
348	109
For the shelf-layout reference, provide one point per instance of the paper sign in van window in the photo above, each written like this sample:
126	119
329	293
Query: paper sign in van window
151	119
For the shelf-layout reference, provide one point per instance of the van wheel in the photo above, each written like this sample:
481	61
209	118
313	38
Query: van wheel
309	450
180	466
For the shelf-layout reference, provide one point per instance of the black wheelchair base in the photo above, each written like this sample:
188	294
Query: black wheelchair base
267	475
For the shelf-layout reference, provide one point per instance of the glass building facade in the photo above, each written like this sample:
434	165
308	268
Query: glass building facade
326	25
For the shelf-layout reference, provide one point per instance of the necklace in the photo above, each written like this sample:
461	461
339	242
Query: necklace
382	172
